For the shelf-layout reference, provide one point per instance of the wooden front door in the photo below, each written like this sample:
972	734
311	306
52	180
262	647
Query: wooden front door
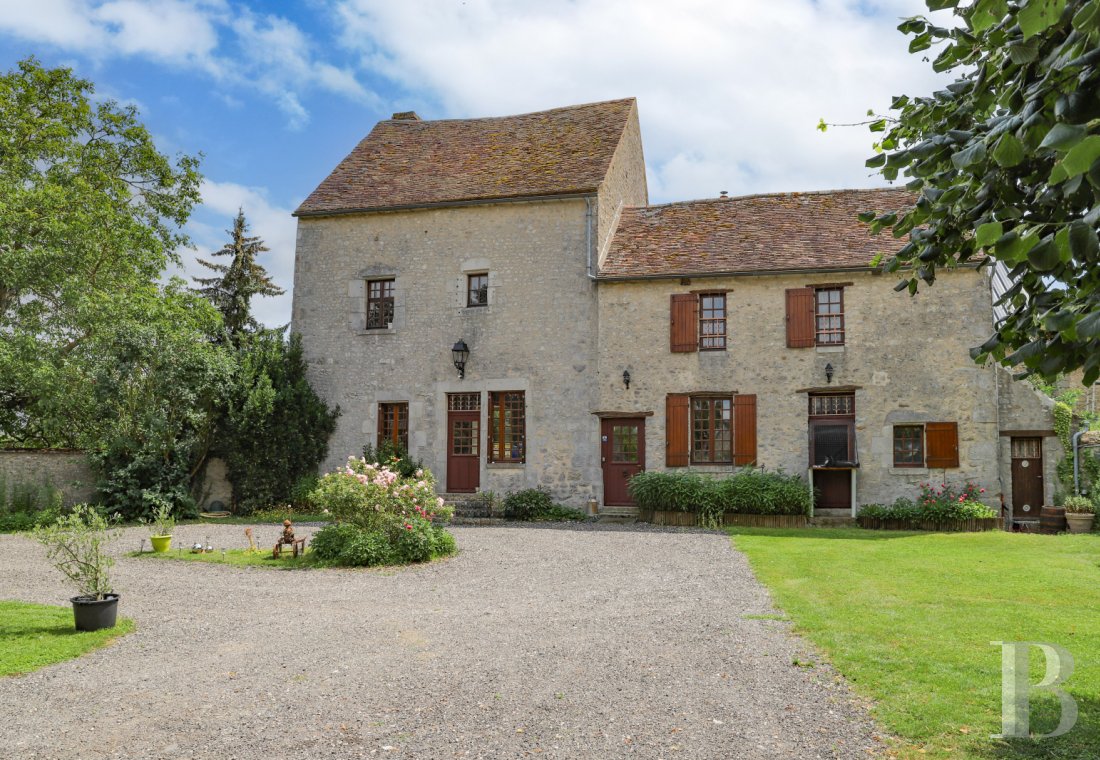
834	489
1027	478
622	451
463	442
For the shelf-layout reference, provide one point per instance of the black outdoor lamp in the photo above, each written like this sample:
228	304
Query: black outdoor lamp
626	378
459	353
828	373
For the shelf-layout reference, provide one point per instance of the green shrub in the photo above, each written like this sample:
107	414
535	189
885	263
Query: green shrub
381	517
300	491
946	502
536	505
393	456
748	491
1079	504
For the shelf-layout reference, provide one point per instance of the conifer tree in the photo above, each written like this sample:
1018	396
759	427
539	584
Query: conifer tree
241	279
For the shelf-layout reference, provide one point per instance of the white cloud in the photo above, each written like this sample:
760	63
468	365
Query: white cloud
234	46
208	230
729	93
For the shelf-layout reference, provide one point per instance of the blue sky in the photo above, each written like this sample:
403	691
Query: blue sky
276	93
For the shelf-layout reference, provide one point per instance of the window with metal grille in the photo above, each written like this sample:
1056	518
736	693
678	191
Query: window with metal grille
477	290
712	321
908	445
507	426
829	406
379	304
464	402
829	316
393	424
711	430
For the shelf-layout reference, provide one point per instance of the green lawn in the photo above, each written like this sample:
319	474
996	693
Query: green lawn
237	557
908	619
33	636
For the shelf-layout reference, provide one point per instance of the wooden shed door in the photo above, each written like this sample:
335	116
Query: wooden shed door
463	442
1027	478
622	451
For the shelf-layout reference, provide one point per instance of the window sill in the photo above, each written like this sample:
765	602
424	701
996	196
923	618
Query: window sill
505	465
377	331
908	470
830	349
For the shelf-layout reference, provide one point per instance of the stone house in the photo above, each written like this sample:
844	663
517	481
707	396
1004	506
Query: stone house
599	336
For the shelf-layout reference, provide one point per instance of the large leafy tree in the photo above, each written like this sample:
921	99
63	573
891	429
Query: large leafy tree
1006	164
90	214
239	280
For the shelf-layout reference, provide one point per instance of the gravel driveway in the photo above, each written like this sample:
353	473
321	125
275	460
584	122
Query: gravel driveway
532	642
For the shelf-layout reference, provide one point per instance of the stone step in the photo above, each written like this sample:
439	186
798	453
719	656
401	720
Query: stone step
630	513
833	522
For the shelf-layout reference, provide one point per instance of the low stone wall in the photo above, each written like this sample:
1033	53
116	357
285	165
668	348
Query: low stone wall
68	471
688	519
65	470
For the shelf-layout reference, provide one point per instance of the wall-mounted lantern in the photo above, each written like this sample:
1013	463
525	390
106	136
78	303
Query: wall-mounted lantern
459	353
828	373
626	378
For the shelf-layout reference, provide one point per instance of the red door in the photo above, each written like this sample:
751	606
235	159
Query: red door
1027	478
623	455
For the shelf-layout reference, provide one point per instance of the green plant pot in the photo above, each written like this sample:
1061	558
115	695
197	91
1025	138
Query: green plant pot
161	543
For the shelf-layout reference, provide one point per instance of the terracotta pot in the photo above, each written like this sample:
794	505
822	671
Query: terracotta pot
1080	522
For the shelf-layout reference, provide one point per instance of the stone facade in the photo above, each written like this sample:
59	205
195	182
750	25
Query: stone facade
908	360
562	328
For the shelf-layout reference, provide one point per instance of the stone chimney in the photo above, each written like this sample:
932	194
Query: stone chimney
724	194
406	116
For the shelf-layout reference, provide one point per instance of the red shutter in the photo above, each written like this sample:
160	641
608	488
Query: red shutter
942	444
744	430
684	324
801	330
677	451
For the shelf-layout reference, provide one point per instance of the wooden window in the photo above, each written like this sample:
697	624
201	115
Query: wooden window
698	429
684	323
908	445
1027	448
477	290
393	424
464	402
507	426
800	318
829	316
832	430
711	430
831	406
942	444
712	321
379	304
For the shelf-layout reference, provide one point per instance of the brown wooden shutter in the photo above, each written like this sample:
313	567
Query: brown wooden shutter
942	444
684	323
801	332
677	428
744	429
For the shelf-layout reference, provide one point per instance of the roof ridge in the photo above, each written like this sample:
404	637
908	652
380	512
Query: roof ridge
777	194
559	109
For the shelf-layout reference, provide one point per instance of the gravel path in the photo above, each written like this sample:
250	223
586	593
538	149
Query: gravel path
556	643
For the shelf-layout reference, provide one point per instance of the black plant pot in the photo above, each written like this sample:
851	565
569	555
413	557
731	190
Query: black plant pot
93	614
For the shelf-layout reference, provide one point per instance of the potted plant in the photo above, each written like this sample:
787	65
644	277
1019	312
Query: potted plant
76	545
163	523
1080	514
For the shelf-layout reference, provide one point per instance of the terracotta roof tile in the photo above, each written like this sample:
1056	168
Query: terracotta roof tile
756	233
410	162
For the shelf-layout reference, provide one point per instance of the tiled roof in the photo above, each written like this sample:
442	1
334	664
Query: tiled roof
755	233
409	162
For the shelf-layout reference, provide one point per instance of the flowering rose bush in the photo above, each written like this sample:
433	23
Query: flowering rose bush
936	502
379	516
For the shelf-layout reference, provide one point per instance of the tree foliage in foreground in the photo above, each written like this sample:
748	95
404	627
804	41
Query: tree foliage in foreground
90	213
1006	161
